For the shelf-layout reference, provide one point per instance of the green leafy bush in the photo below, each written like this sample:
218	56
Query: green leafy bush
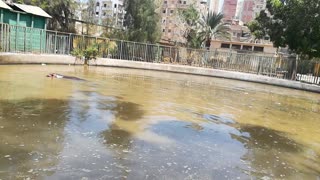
90	53
78	53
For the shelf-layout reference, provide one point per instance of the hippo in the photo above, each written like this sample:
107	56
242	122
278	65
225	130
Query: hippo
60	76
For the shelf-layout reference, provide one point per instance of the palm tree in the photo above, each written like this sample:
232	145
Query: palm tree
201	29
213	28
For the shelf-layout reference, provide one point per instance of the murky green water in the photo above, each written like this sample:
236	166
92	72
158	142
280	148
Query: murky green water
135	124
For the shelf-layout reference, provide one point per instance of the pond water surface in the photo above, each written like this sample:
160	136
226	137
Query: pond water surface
134	124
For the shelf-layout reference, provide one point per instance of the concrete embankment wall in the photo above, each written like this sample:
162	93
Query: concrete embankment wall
7	58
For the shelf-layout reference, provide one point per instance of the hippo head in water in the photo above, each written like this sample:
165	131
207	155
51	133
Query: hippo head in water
54	75
51	75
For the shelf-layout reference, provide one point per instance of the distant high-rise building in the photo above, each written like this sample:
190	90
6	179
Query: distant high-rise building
229	9
250	9
172	25
259	6
214	6
110	12
239	9
247	11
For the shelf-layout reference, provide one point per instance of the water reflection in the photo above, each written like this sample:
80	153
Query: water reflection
268	139
128	124
116	137
31	137
263	143
128	111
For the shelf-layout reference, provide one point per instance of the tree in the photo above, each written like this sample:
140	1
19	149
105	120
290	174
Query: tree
88	15
190	19
292	23
62	12
201	29
213	27
142	21
258	27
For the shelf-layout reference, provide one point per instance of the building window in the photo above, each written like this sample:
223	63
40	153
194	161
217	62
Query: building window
165	2
247	48
164	21
104	14
163	30
164	11
98	4
236	46
180	2
115	6
259	49
97	13
184	2
105	5
171	11
223	45
169	30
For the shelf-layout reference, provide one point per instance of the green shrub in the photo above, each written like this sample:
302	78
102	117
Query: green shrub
87	54
78	53
90	53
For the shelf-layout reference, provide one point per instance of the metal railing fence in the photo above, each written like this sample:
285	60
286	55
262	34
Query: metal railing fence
20	39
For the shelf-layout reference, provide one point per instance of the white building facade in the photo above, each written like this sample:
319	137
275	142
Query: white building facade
110	12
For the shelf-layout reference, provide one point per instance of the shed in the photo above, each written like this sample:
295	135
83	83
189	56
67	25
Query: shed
26	26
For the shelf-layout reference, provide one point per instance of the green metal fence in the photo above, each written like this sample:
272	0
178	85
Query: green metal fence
30	40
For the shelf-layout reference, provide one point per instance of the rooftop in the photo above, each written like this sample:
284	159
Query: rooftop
32	10
4	5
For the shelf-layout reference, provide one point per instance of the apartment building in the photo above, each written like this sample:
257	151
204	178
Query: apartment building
229	9
259	6
247	11
214	6
250	9
110	12
239	9
172	25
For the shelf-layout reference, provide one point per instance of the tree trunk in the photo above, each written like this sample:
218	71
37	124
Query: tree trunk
86	62
208	43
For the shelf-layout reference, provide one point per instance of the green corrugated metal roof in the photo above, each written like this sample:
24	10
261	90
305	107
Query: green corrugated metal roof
32	10
4	5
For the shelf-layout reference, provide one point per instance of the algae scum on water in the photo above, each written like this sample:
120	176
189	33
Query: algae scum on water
133	124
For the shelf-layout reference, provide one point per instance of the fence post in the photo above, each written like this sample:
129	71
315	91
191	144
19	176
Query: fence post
170	54
82	44
40	41
1	36
158	55
25	39
55	42
15	39
31	38
206	58
296	67
121	42
145	53
133	52
70	35
8	37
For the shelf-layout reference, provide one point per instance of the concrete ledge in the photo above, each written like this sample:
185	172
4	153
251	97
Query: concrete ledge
9	58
